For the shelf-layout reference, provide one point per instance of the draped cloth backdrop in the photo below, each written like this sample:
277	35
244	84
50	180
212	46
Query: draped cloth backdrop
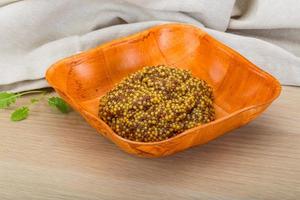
36	33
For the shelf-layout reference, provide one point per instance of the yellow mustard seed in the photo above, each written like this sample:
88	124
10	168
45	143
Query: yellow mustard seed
157	103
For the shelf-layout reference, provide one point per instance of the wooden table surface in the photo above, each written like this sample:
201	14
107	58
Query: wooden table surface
56	156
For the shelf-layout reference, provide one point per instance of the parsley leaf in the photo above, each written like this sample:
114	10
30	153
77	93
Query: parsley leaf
59	103
20	114
7	98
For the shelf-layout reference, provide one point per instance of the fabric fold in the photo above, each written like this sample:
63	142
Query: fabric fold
36	33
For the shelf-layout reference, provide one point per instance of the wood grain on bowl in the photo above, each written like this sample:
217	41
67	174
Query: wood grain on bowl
242	91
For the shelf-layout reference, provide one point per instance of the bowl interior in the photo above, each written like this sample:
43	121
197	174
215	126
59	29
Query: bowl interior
236	82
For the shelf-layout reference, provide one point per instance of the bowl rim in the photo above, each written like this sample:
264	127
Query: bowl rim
221	46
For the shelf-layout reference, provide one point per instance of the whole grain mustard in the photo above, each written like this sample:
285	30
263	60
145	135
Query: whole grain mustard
157	103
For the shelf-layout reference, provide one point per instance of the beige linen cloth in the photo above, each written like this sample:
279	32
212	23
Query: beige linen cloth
36	33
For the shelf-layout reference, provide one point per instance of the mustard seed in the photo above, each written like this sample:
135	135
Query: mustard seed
157	103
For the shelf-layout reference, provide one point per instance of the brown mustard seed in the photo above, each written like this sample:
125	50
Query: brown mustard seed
157	103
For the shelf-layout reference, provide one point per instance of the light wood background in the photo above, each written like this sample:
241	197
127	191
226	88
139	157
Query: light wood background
56	156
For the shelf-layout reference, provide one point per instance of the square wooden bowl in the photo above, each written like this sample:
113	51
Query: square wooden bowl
242	91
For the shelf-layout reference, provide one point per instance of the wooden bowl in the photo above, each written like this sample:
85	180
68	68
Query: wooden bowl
242	91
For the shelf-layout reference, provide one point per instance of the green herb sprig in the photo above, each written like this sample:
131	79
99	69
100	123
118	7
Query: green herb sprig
8	98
